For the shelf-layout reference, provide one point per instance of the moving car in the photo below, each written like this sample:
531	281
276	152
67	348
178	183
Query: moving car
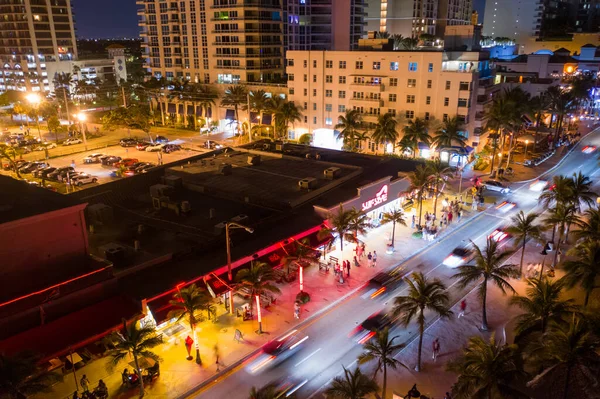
128	142
384	282
495	185
276	351
458	257
538	185
505	206
72	141
93	158
168	148
142	145
154	147
368	328
287	386
82	179
499	234
588	149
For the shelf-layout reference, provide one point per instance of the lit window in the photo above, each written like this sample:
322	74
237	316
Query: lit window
412	66
394	66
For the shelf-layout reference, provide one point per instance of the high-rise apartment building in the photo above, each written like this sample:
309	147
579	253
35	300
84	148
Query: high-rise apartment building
324	24
33	33
412	18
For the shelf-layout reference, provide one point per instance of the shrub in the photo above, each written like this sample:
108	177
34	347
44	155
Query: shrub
303	297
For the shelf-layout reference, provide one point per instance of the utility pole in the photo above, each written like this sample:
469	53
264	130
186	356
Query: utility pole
249	118
124	99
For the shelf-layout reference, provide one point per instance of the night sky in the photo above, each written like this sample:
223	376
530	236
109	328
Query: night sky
118	18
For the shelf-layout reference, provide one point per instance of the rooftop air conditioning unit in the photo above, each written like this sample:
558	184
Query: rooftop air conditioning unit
332	173
307	183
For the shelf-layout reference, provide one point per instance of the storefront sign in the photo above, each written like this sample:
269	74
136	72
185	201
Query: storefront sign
380	198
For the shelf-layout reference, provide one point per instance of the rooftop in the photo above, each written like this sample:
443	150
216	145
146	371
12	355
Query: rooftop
20	200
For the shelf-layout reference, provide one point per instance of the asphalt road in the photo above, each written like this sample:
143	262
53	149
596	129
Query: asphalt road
329	347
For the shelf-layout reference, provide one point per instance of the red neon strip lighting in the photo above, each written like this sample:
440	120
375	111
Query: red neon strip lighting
52	287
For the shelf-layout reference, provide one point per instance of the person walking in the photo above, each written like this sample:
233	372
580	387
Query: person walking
374	258
363	249
412	223
370	259
296	310
450	217
85	383
463	307
356	264
436	349
459	214
348	268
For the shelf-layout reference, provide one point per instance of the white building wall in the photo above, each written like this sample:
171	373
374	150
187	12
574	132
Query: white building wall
515	19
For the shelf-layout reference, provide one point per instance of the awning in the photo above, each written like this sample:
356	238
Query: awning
266	119
230	114
217	285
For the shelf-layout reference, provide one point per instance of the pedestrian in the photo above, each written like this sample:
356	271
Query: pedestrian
463	307
459	214
436	349
296	310
85	383
412	224
348	267
370	259
450	214
364	248
356	264
374	258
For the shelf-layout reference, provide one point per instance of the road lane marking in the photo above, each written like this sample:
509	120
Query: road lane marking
307	357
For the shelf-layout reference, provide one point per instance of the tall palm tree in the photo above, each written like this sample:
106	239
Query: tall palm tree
353	385
489	267
394	216
542	306
423	295
339	225
286	113
359	223
584	270
259	103
203	96
487	369
538	107
62	83
385	130
561	192
523	227
235	96
560	217
134	341
449	134
398	40
258	279
20	376
562	102
155	89
438	174
581	191
589	225
382	349
269	391
410	43
187	302
500	116
568	356
419	180
347	127
417	131
406	145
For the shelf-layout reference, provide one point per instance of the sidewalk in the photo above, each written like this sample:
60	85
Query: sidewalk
179	376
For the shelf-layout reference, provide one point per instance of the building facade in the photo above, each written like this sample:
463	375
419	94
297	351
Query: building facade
33	33
407	84
515	19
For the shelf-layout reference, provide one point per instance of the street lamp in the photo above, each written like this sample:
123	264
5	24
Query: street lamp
259	315
413	393
232	225
526	143
34	99
81	117
544	252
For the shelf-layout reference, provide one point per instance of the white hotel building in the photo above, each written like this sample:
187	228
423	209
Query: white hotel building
425	84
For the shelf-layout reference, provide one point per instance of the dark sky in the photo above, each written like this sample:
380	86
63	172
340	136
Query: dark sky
118	18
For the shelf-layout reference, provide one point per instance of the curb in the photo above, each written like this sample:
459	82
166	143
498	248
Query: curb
330	306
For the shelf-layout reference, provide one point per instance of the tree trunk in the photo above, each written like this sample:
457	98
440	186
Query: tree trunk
420	207
384	381
567	378
509	150
537	129
421	331
435	199
556	250
484	323
393	232
522	255
139	373
587	298
494	151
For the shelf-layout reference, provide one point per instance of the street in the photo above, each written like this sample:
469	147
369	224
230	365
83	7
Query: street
329	347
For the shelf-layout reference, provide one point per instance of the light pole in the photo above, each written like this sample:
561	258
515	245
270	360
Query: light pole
232	225
544	252
34	99
260	331
526	143
81	117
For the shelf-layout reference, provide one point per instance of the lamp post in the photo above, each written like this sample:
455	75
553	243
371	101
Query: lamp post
34	99
301	279
260	331
413	393
232	225
81	117
544	252
526	143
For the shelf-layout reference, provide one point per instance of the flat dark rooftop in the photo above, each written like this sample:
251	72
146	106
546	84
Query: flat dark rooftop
272	183
20	200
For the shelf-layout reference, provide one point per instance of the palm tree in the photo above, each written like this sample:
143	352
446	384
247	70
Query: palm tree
339	225
560	217
235	96
489	267
20	376
542	306
269	391
286	113
259	103
385	130
423	295
410	43
205	97
589	225
406	145
394	216
449	134
584	270
560	192
419	179
187	302
398	40
562	102
417	131
438	173
487	369
523	227
353	385
581	193
347	127
155	88
137	342
258	279
359	223
382	349
499	117
538	106
568	356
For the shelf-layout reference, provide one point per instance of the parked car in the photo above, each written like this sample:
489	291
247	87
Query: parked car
495	185
142	145
56	175
154	147
82	179
110	160
168	148
93	158
72	141
161	140
128	142
45	146
23	165
126	162
43	172
144	168
34	166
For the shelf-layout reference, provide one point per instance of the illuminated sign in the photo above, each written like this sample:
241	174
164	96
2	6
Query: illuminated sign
380	198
